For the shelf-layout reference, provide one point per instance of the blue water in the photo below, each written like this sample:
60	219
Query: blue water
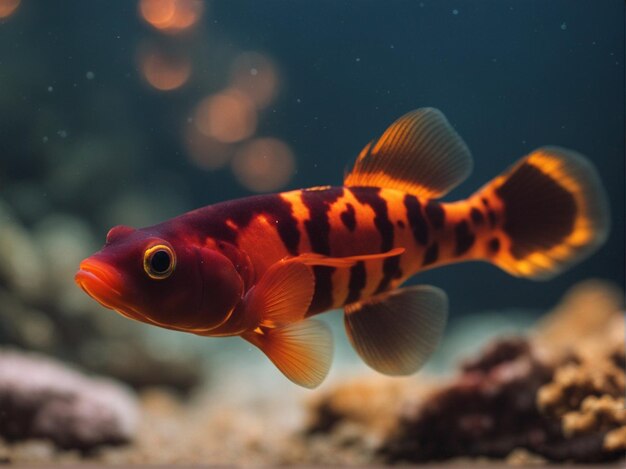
82	133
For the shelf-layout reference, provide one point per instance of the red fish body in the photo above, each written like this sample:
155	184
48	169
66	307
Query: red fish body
259	267
341	222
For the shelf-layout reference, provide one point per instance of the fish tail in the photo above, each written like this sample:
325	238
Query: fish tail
548	212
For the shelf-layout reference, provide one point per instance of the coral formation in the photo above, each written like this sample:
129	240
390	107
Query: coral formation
42	398
557	394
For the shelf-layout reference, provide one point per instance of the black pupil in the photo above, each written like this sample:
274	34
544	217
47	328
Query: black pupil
160	262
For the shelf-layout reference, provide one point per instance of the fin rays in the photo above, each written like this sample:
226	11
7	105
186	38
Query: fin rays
301	351
420	154
396	332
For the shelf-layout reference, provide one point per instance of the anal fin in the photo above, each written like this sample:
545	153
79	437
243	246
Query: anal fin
301	351
396	332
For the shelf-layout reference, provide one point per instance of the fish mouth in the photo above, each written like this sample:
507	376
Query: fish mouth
104	284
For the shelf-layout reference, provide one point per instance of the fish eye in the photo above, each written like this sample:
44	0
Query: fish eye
159	261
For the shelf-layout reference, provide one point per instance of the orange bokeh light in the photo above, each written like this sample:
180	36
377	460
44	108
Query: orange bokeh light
7	7
228	116
164	71
264	165
206	152
171	16
256	76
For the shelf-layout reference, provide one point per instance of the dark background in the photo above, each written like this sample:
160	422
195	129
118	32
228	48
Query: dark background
510	76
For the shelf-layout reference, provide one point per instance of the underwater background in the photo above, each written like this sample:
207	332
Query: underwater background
132	112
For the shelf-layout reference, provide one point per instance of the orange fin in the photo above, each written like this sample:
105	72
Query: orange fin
555	213
313	259
301	351
420	154
396	332
283	295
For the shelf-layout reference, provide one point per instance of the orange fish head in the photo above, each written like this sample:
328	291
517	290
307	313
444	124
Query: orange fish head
166	281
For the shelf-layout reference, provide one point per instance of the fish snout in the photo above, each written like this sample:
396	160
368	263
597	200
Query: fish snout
99	280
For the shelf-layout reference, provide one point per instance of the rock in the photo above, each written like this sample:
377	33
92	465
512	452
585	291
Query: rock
585	323
132	362
586	393
348	423
371	403
557	395
489	410
43	398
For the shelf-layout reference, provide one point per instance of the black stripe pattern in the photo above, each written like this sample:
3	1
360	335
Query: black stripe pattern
464	238
418	224
435	214
391	266
319	202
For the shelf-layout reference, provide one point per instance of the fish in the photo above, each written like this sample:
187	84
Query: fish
262	267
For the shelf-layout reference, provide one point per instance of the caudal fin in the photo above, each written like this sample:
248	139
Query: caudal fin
554	213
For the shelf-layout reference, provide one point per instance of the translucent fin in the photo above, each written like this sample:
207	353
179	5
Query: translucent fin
283	295
302	351
313	259
395	332
555	212
420	154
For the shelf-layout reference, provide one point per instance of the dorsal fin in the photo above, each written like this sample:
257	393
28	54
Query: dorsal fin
420	154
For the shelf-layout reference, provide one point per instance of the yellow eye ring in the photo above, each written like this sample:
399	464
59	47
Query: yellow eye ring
159	261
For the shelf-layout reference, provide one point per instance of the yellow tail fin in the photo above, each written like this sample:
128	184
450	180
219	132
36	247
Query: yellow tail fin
553	213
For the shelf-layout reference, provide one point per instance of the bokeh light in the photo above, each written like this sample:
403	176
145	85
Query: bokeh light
256	76
229	116
8	7
206	152
163	70
264	165
171	16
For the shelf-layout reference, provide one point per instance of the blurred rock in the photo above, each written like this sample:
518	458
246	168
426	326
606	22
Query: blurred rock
64	241
370	403
556	395
42	398
25	326
488	410
132	362
468	333
21	268
587	390
559	396
349	422
588	323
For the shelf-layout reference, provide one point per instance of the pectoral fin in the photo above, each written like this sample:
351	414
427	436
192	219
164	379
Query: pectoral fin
301	351
395	332
283	294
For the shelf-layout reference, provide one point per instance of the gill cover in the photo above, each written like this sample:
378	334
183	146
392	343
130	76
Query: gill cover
222	288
